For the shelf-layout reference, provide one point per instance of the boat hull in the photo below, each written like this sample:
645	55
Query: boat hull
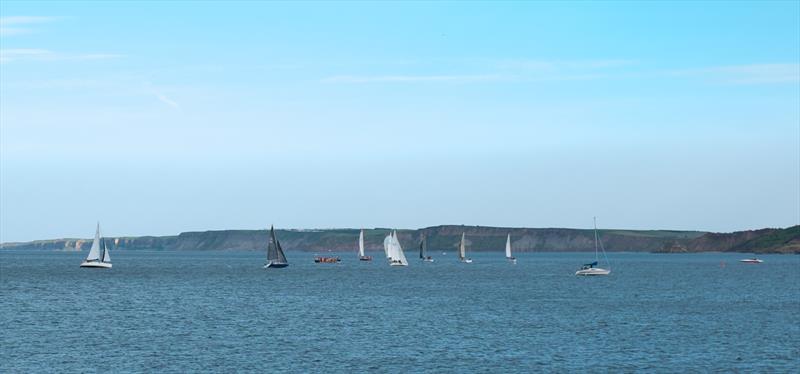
466	261
276	265
96	264
751	261
365	258
592	272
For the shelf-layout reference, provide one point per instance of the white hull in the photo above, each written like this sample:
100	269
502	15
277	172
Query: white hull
512	260
593	271
751	261
96	264
466	261
397	264
428	260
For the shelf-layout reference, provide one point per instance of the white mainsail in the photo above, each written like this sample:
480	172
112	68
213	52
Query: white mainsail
462	248
508	246
396	251
94	252
361	244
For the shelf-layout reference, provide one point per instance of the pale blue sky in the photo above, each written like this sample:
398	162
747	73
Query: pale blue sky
157	118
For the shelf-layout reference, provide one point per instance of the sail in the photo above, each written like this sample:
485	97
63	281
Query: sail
274	250
396	251
462	248
422	247
508	246
361	244
387	243
94	253
281	256
106	255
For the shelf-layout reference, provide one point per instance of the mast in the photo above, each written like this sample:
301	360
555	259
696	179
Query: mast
596	256
94	252
361	243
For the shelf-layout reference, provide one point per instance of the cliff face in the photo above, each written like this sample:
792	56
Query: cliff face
446	238
757	241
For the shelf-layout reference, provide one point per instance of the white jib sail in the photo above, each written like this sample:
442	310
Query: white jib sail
106	255
508	246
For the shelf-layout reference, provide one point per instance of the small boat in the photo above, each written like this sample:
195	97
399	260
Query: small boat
462	251
326	260
751	261
591	268
98	257
361	255
394	252
423	250
275	256
509	257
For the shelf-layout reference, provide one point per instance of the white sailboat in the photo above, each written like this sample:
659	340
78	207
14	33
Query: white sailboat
275	256
591	268
462	251
361	255
510	258
99	256
394	252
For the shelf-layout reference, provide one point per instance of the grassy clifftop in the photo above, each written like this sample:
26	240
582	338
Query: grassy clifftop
446	238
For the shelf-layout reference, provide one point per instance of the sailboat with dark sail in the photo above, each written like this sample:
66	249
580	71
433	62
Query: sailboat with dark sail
423	250
275	256
361	255
99	256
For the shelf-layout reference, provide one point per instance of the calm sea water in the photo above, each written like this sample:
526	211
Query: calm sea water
219	311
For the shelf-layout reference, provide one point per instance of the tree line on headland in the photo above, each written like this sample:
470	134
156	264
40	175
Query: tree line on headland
446	238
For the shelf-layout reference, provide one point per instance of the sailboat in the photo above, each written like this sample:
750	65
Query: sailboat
462	251
275	256
361	255
510	258
590	268
98	255
394	252
423	250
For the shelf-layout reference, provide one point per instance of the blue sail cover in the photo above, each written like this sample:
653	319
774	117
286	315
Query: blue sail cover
593	264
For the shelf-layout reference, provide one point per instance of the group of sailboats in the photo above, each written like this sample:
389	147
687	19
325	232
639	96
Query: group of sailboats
99	256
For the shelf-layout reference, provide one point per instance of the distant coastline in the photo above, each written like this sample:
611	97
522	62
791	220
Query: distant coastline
480	238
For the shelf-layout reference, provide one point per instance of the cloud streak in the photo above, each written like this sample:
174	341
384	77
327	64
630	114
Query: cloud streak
35	54
413	78
15	25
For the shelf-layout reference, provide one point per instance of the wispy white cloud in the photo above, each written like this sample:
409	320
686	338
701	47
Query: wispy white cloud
164	99
413	78
35	54
751	74
15	25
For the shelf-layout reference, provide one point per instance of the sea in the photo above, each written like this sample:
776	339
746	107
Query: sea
220	311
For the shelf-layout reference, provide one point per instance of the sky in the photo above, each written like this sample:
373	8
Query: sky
162	117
